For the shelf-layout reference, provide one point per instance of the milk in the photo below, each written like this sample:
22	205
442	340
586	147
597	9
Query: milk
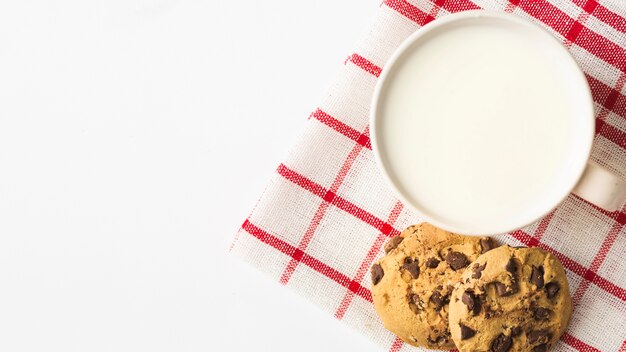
477	123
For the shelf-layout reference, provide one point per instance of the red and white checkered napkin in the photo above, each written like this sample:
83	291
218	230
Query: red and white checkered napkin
326	213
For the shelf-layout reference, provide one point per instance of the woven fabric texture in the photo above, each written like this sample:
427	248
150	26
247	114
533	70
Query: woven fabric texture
326	213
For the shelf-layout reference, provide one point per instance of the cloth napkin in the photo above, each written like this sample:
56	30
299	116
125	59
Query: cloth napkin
326	213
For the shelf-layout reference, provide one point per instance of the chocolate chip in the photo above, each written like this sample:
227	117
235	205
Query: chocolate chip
412	266
439	300
541	313
477	270
538	336
486	244
552	288
502	343
432	262
471	301
377	273
393	243
511	266
456	260
466	332
504	290
515	331
468	299
415	303
536	277
501	289
541	348
438	340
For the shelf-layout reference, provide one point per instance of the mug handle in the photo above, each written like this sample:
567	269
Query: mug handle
601	187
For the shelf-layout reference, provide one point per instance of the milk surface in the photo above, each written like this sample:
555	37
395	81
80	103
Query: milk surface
478	124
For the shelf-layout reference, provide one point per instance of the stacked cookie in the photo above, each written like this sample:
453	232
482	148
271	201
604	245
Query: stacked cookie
441	290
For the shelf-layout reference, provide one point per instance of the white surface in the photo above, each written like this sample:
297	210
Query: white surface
135	137
492	142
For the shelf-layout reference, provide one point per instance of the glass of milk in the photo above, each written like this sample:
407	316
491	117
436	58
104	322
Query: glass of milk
483	123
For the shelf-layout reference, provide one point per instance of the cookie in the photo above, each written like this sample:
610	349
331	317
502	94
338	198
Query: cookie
511	299
412	283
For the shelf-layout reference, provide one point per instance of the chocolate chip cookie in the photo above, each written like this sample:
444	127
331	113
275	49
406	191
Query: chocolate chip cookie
412	283
511	299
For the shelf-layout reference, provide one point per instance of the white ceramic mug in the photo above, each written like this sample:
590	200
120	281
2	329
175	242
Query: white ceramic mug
484	123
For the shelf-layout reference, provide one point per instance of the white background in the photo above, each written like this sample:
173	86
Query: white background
135	137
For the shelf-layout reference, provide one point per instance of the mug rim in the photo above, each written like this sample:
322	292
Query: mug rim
582	159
